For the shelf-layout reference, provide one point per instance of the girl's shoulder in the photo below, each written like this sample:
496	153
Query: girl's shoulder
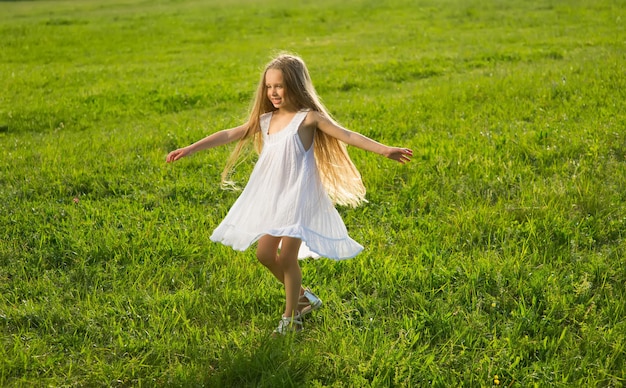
313	114
315	117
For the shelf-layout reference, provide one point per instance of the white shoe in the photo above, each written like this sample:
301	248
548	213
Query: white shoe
311	302
289	325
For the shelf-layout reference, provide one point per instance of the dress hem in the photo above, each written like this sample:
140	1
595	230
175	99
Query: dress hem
350	247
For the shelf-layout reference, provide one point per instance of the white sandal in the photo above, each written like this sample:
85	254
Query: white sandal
289	325
311	303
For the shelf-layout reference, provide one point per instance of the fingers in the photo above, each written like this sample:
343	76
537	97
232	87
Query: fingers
174	156
404	155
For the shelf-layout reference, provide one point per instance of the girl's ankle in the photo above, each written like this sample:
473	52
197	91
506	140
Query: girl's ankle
295	314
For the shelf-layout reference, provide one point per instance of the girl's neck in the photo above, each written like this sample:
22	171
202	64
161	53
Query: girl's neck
283	111
286	110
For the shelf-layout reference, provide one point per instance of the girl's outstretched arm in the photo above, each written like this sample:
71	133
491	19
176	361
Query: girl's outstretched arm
355	139
224	136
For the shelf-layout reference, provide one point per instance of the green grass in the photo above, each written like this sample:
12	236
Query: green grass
498	251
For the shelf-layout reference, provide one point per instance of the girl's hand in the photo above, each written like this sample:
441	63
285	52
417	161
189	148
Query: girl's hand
402	155
177	154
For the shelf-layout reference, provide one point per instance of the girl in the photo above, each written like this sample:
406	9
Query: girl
303	169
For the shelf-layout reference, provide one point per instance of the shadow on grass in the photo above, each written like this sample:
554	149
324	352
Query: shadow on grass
275	362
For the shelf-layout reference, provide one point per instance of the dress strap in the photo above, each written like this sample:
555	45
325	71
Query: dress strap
264	121
298	119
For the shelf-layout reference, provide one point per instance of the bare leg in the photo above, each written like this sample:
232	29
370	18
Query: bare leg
284	266
267	254
288	262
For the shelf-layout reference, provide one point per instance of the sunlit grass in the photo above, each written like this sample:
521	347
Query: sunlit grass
497	251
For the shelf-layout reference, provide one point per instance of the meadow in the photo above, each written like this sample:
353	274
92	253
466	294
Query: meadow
495	258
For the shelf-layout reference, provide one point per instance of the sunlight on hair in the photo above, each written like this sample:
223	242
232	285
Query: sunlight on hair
338	173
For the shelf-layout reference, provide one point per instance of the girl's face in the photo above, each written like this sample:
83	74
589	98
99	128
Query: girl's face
275	88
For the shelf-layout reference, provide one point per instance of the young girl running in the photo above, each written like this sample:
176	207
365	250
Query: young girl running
303	169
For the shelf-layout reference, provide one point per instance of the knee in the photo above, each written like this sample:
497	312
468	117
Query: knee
266	258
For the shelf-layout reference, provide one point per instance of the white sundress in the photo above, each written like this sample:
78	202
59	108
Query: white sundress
284	196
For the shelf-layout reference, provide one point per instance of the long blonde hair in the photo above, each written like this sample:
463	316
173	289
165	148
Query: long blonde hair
338	174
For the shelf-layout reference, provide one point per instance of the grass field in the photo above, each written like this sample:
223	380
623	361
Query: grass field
496	258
